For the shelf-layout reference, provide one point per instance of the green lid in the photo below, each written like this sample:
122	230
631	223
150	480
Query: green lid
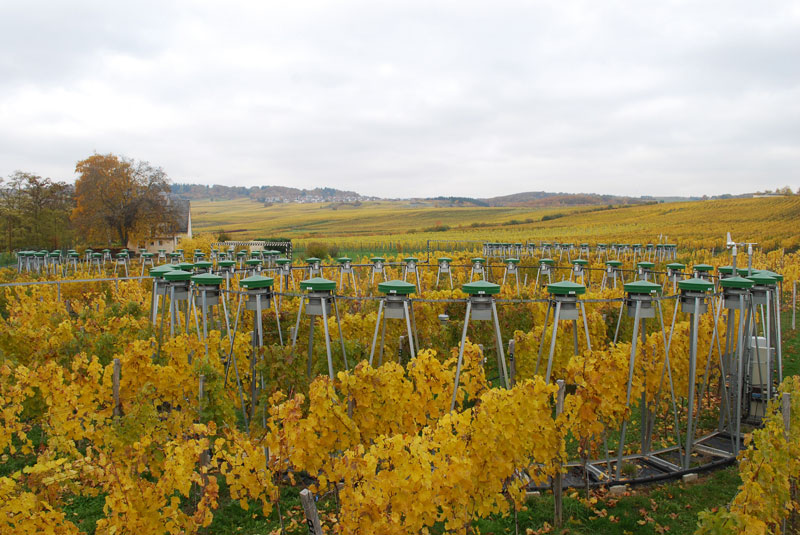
97	255
255	254
676	266
282	261
728	270
174	255
601	244
396	287
646	265
313	260
177	275
256	281
344	259
566	288
613	263
226	263
478	260
696	285
241	254
106	250
207	279
377	259
512	260
736	282
199	254
122	255
253	261
147	255
642	287
548	261
762	279
411	259
185	266
317	284
54	254
481	288
703	267
204	264
777	276
159	271
73	254
580	262
545	244
445	259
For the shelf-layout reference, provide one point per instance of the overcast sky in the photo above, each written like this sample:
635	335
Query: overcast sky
410	98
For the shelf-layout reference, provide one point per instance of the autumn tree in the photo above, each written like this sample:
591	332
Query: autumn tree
34	212
117	197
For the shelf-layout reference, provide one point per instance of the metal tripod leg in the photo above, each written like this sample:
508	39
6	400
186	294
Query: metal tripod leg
460	357
544	331
410	332
689	441
277	320
414	324
552	342
328	338
377	327
341	337
740	374
501	357
631	364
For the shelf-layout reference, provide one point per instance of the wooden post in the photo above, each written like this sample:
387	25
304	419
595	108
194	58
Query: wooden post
558	479
512	362
786	412
400	343
205	457
115	386
310	510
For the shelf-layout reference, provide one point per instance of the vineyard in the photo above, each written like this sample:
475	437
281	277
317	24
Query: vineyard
431	395
769	221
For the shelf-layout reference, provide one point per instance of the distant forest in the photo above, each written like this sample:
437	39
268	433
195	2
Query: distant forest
262	193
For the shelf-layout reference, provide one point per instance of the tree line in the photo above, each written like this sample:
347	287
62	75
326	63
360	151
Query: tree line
114	199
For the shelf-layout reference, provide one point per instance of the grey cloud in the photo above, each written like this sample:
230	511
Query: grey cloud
482	99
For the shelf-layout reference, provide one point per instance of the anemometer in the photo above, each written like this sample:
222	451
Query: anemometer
733	246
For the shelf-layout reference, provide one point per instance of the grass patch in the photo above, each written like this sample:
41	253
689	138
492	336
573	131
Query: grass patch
671	508
85	511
